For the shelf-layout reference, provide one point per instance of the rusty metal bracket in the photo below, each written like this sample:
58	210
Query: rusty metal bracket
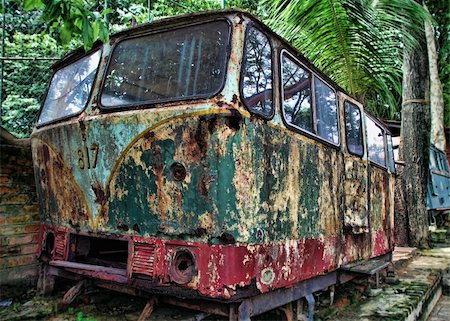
311	303
288	311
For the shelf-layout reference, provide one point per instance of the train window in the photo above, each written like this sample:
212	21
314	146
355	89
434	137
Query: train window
375	142
390	152
296	94
433	163
443	162
184	63
353	129
69	89
326	112
257	73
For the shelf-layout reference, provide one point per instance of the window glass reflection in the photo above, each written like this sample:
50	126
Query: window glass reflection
444	163
296	94
177	64
433	163
375	142
257	73
326	112
353	129
70	89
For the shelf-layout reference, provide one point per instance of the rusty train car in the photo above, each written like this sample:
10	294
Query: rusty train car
202	157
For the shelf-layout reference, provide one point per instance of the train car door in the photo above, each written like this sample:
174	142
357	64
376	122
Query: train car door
356	219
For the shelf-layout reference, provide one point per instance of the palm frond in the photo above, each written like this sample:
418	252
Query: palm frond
358	43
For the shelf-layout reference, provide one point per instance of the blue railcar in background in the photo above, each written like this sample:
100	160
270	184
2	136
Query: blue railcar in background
438	190
438	194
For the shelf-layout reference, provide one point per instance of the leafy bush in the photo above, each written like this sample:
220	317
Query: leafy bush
19	114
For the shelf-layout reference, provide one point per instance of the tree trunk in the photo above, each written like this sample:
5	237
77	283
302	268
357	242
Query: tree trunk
436	94
415	132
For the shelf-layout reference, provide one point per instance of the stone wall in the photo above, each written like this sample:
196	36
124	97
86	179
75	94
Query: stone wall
19	215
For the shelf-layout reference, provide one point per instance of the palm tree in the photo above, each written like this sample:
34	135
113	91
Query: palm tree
358	43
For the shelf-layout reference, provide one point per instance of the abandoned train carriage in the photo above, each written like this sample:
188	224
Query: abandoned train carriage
203	156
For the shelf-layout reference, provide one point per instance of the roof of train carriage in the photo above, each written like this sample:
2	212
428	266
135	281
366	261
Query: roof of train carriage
186	19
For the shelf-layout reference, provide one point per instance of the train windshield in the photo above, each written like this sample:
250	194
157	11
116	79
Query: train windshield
70	89
173	65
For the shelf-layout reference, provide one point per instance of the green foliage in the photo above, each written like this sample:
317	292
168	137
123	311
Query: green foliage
25	81
19	72
137	12
18	114
71	19
358	43
81	317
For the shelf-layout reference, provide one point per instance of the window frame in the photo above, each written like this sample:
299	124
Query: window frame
361	130
336	99
243	65
293	127
148	104
383	130
91	93
390	159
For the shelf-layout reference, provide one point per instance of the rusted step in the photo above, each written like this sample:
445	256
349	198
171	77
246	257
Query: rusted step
89	267
366	267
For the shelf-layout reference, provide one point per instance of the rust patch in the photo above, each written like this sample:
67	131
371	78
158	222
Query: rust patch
98	191
82	129
158	166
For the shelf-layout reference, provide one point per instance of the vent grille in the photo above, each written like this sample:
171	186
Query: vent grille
60	246
144	259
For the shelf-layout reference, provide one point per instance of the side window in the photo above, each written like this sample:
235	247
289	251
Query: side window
353	129
298	109
390	153
326	112
444	164
296	94
257	73
433	163
375	142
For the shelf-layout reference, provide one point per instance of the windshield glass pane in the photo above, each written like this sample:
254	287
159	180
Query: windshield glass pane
70	89
178	64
